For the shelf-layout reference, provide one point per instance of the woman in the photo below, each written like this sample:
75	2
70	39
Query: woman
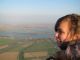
67	34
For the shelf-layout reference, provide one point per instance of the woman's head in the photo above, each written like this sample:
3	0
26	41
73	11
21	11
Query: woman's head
67	28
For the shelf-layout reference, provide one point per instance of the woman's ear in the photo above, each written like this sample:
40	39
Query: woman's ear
78	36
75	37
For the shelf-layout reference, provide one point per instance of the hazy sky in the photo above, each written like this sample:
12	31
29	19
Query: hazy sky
36	11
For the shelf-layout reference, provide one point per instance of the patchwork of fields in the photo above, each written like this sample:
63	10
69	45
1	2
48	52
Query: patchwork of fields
35	49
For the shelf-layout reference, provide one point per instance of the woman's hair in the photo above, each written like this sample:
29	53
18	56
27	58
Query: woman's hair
74	20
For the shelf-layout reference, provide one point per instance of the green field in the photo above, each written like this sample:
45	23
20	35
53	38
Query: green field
42	46
31	47
4	41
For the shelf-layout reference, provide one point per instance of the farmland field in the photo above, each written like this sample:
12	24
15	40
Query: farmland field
4	41
35	49
9	56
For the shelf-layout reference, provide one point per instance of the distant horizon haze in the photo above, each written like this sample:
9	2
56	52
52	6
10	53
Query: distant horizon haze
36	11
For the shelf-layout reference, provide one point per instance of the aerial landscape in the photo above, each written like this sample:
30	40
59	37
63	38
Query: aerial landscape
27	27
22	43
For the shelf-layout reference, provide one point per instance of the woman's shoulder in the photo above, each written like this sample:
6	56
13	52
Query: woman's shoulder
59	55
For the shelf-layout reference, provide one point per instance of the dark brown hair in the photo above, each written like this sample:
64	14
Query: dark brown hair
74	20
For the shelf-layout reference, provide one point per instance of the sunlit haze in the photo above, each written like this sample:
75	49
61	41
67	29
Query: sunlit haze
36	11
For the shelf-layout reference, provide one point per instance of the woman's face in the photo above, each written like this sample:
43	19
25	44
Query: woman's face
63	33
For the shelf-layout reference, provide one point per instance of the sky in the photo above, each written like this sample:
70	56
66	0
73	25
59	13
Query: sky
36	11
